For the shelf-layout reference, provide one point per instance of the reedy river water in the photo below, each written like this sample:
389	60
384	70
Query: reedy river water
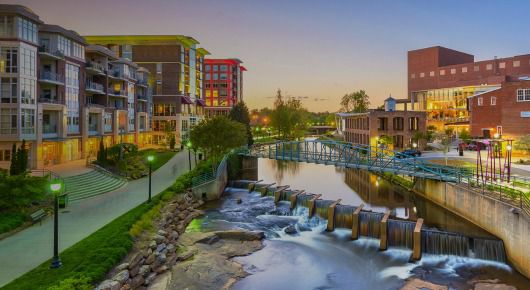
316	259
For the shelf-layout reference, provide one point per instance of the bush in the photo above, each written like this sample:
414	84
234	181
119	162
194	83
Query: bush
18	192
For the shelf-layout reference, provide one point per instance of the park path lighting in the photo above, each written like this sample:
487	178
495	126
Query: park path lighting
188	144
496	136
150	159
56	187
414	145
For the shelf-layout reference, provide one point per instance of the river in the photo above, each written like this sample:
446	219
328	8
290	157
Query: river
315	259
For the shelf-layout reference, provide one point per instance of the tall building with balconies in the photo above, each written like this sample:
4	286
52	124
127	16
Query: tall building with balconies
61	96
176	65
19	45
223	85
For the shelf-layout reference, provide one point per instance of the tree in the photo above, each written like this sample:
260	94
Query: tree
523	143
22	158
464	135
356	102
101	156
431	133
172	141
239	113
288	117
217	136
13	168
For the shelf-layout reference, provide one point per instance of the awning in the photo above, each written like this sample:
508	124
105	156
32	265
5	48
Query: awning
201	102
186	100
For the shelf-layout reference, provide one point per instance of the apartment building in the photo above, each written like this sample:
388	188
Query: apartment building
176	63
440	80
63	96
223	85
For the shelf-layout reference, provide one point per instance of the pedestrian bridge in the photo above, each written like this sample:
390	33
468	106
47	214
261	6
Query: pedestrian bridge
354	156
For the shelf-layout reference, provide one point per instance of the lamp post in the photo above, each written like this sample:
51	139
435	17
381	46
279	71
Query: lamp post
150	159
56	187
188	144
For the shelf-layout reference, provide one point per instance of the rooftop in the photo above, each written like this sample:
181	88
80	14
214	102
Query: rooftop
9	9
51	28
143	39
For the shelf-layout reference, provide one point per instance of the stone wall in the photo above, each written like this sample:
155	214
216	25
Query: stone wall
495	216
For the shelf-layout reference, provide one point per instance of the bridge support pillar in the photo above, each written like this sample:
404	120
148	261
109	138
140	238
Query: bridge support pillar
263	190
383	236
312	204
331	216
294	196
416	239
252	185
355	222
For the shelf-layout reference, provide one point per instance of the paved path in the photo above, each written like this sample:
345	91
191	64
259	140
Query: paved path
31	247
70	168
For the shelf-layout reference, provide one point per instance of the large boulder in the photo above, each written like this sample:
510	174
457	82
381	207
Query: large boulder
121	277
108	285
241	235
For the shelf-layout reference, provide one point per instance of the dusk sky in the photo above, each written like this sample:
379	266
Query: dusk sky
318	49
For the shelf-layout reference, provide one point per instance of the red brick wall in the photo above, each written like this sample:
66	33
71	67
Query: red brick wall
506	112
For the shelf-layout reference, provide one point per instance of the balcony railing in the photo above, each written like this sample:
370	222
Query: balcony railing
117	74
52	77
94	105
50	100
142	82
49	51
90	85
95	66
49	129
117	92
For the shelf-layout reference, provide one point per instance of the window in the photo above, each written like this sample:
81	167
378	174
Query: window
207	76
413	76
79	51
523	95
516	63
493	101
499	130
5	155
398	123
8	121
126	51
208	67
215	67
489	66
27	30
476	68
64	45
223	76
464	69
479	101
215	77
431	73
164	110
8	59
27	62
6	26
442	72
158	68
502	65
27	121
27	91
224	67
8	90
453	71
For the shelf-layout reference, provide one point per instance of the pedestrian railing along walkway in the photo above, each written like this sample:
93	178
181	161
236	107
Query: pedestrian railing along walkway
210	176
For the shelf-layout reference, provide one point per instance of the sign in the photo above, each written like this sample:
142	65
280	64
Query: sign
525	114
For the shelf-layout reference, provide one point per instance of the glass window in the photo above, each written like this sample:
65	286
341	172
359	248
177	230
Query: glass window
476	68
489	66
158	68
6	26
27	62
442	72
502	65
27	121
207	67
64	45
223	76
8	59
464	69
453	71
413	76
479	101
8	90
8	121
493	101
516	63
431	73
224	67
27	91
207	76
27	30
215	67
215	76
523	95
79	50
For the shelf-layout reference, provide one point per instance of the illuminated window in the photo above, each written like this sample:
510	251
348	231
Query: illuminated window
479	101
464	69
158	68
431	73
502	65
493	101
442	72
422	75
453	71
516	63
489	66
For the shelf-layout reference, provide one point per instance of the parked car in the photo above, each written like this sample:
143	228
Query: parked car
472	147
409	153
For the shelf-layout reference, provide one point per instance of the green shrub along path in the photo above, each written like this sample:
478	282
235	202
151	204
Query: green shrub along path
33	246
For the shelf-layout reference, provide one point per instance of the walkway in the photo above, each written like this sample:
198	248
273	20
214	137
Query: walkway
70	168
31	247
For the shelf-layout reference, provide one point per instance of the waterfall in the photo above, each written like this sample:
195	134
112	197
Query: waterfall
343	216
400	233
321	207
370	223
488	249
303	199
286	195
443	243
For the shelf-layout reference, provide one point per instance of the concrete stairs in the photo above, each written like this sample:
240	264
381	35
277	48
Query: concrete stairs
90	184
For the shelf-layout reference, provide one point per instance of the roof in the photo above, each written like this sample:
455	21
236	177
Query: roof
344	115
186	100
94	48
9	9
484	92
51	28
202	51
201	102
223	60
142	39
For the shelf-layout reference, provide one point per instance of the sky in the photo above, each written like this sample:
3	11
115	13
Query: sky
307	48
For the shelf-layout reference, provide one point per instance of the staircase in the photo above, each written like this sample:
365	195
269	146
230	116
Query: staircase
90	184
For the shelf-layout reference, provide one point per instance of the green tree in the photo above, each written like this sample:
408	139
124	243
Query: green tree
356	102
431	133
217	136
172	141
239	113
464	135
101	156
22	158
288	117
523	143
13	168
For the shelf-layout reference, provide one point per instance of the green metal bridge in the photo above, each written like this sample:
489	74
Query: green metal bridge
355	156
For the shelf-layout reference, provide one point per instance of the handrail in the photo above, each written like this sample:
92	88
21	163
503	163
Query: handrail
212	175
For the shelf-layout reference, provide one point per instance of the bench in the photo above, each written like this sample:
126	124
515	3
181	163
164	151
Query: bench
38	216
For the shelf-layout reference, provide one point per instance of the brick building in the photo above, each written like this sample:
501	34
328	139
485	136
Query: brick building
367	128
223	85
440	80
504	111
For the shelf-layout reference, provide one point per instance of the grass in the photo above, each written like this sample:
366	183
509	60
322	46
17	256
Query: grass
454	163
161	156
88	261
11	220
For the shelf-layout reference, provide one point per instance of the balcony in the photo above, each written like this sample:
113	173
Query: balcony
46	52
51	78
142	82
95	88
117	93
117	74
141	97
95	68
93	105
51	100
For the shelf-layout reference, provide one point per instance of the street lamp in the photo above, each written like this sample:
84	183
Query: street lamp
496	136
414	145
509	147
188	144
150	159
56	187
